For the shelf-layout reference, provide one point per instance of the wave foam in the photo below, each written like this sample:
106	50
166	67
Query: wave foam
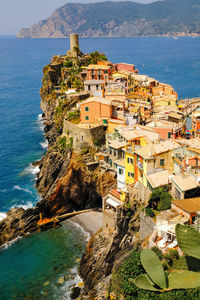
84	233
31	170
29	204
73	280
2	216
44	144
17	187
8	244
40	121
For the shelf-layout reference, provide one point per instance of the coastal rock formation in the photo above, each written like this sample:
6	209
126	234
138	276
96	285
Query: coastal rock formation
118	19
64	181
18	223
105	253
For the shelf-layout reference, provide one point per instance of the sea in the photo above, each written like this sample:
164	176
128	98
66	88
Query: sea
45	265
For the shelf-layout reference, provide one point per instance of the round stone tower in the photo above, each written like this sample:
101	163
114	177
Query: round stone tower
74	41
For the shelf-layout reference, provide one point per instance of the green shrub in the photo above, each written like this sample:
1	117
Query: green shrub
74	116
62	142
160	196
150	212
164	204
68	64
173	253
70	142
158	252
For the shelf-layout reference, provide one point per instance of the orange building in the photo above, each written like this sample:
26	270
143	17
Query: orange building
96	110
163	89
98	72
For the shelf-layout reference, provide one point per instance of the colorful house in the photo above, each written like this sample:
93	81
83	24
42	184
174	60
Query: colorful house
126	78
153	158
126	67
116	152
95	87
121	175
95	110
166	129
184	186
98	72
196	123
189	208
129	164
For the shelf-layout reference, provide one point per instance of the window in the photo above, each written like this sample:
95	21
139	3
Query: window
88	87
97	87
110	151
86	118
129	160
81	138
92	76
169	135
162	162
86	108
115	153
121	171
130	174
99	77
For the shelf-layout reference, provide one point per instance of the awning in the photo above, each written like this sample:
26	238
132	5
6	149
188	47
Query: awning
112	202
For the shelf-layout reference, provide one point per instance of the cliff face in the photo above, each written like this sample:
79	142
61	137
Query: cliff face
64	181
105	253
116	19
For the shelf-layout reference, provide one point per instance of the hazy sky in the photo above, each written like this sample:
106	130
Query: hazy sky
17	14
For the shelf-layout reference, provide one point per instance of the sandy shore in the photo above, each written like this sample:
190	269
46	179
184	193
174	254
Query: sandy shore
90	221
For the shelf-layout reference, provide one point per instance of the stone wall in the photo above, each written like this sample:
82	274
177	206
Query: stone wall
83	135
147	226
139	192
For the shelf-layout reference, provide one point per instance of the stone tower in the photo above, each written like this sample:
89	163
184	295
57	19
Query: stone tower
74	41
74	45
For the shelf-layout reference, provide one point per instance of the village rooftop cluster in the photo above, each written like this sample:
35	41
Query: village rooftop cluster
142	134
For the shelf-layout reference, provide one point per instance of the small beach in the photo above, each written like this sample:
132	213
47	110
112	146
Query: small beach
91	221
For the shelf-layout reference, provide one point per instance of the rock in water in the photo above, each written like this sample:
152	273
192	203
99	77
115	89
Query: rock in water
75	292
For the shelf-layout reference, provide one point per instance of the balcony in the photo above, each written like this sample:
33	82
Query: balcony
139	165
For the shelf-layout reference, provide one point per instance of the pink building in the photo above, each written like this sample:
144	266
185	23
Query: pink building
98	72
126	67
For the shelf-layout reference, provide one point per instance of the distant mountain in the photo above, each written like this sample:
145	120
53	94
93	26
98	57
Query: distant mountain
116	19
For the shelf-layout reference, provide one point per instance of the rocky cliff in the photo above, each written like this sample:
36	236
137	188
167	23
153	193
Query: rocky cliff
105	253
116	19
64	181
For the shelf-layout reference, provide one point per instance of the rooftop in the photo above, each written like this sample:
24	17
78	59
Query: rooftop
98	67
93	81
97	100
188	205
131	134
121	162
154	149
191	143
159	178
116	144
175	115
184	182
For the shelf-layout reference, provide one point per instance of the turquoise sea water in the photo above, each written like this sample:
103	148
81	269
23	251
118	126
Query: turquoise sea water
28	264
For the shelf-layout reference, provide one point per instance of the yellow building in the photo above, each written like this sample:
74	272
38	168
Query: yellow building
130	157
164	100
129	164
112	123
126	78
